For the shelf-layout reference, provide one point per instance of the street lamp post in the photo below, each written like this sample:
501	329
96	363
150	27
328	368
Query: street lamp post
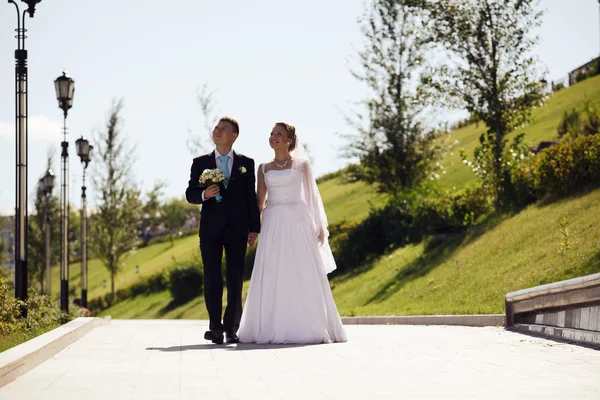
84	151
65	89
21	138
48	186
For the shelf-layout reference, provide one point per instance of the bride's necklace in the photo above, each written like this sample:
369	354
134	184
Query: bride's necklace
282	165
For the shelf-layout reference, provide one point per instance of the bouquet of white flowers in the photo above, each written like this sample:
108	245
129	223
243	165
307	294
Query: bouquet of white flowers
212	177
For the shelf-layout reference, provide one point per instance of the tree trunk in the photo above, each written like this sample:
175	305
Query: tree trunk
498	150
112	282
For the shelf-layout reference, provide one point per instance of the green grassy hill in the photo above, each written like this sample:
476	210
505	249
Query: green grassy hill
542	127
150	260
348	203
464	274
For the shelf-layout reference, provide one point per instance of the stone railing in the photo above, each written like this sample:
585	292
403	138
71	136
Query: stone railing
568	310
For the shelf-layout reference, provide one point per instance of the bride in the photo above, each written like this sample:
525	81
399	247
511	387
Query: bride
289	299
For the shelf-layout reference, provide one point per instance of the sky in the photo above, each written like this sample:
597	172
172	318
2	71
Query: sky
268	60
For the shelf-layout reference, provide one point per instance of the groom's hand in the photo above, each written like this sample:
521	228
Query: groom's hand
252	238
211	191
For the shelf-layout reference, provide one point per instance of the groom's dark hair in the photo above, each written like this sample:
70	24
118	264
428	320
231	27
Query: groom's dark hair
236	126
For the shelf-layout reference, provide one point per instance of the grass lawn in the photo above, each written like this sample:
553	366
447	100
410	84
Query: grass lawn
471	273
348	203
463	274
150	259
16	338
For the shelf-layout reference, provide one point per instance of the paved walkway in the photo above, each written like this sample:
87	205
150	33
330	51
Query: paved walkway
149	360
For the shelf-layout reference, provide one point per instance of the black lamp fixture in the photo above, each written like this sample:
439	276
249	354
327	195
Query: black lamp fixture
31	4
65	90
84	151
49	180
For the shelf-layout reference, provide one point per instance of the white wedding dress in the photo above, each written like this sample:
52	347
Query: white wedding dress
289	299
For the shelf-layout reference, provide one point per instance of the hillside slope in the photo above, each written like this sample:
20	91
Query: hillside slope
542	127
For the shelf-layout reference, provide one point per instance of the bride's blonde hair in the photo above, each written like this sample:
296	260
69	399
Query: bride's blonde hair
291	131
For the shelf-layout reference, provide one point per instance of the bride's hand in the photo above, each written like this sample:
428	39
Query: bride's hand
252	236
321	237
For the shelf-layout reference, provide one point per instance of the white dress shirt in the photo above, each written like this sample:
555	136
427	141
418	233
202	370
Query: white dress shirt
218	161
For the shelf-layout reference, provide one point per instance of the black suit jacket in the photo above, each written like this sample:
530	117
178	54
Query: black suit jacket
238	209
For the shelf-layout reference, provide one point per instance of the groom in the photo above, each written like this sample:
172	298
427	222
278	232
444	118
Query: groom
227	225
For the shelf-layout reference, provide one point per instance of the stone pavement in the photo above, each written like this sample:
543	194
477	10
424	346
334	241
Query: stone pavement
149	360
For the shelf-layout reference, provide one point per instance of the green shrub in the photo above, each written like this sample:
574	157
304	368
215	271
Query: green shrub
570	125
406	219
591	123
452	211
152	284
523	183
10	309
561	169
568	166
185	283
40	311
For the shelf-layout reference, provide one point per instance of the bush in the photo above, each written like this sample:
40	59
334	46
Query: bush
591	123
523	183
10	309
40	311
383	230
406	219
561	169
570	125
453	211
152	284
567	166
185	283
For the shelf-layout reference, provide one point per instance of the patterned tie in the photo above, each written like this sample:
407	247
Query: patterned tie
225	169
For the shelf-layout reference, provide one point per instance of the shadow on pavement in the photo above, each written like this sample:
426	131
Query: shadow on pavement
229	347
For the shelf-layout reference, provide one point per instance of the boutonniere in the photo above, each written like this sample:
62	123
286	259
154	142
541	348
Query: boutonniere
243	169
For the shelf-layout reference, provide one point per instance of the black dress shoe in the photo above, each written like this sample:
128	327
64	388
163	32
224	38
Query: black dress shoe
214	336
231	337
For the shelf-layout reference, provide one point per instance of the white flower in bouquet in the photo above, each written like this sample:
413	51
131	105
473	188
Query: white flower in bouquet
211	177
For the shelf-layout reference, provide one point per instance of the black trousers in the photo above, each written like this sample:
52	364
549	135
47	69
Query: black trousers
211	249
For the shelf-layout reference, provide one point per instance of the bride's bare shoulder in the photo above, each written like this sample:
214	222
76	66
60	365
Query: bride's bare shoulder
265	166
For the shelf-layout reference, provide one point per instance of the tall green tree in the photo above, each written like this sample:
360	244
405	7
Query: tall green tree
395	147
118	216
488	67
